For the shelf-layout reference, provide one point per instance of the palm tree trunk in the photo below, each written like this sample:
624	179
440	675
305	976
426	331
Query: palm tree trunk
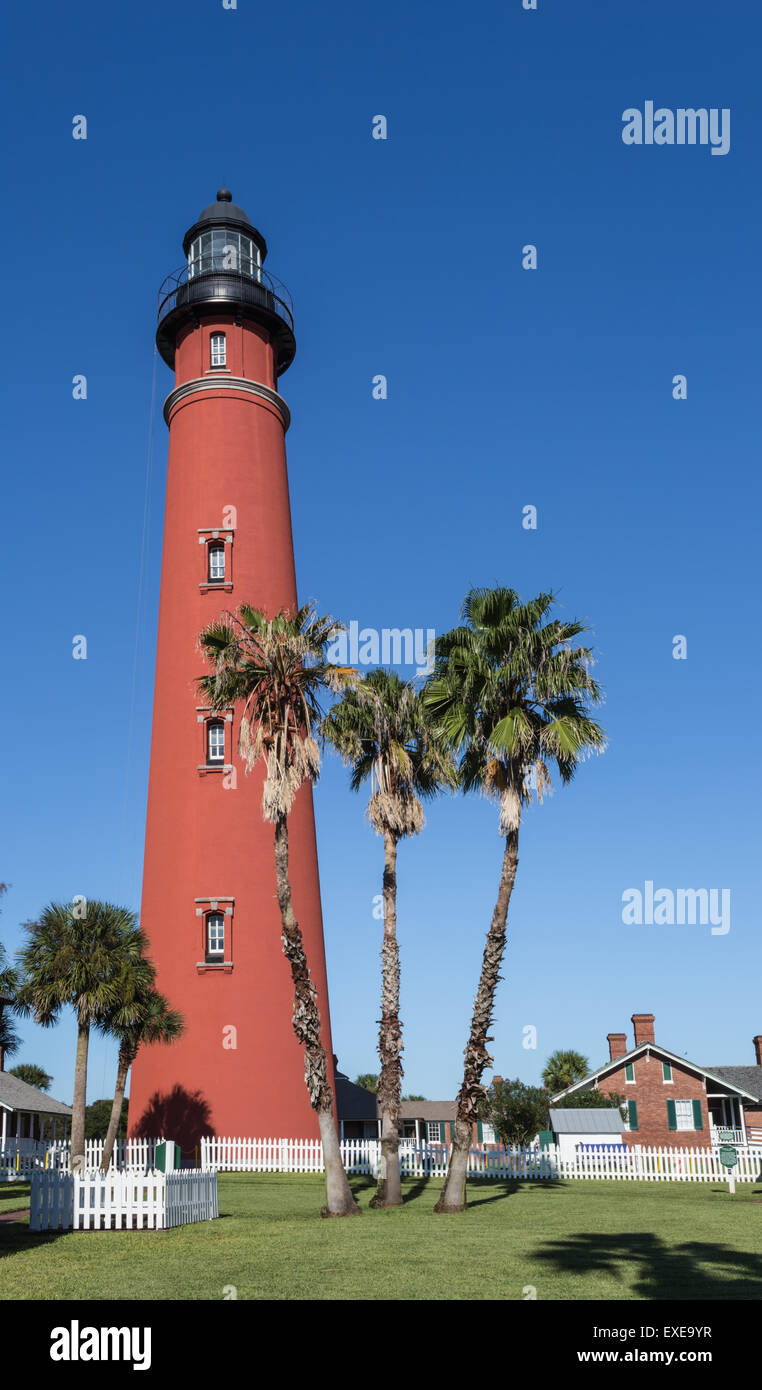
80	1098
389	1189
123	1066
471	1093
306	1024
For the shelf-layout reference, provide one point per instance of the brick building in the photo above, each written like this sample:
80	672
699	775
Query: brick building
671	1101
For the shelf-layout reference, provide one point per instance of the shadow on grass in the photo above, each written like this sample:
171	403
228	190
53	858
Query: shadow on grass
16	1237
694	1269
508	1187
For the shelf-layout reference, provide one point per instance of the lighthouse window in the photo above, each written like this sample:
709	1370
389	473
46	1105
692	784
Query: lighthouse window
216	563
218	354
224	249
215	936
215	743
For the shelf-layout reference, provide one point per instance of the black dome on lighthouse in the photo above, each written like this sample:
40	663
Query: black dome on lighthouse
224	213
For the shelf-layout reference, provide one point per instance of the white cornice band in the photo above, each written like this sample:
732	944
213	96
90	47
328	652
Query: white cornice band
227	383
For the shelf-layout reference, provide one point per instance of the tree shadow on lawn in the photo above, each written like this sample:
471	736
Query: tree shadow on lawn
510	1186
414	1188
695	1269
17	1237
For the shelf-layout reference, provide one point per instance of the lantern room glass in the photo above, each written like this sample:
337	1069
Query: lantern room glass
224	249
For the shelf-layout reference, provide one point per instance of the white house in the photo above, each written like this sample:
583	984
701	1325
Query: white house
574	1127
25	1112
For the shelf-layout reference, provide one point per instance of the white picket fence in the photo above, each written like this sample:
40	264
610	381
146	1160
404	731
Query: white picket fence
117	1201
19	1158
362	1156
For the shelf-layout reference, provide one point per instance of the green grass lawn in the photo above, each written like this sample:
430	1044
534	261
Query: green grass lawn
595	1240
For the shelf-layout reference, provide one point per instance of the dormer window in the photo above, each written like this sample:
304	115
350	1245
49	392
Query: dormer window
216	562
215	741
218	350
215	937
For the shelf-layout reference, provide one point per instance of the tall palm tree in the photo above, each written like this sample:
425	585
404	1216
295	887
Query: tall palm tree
88	957
563	1068
10	1040
509	693
276	669
379	729
156	1022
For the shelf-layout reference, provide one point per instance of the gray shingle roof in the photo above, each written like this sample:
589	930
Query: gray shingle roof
429	1109
595	1120
15	1093
748	1078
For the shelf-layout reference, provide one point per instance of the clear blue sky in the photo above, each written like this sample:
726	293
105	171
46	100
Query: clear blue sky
506	388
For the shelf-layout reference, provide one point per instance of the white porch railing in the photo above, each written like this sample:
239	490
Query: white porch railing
120	1201
725	1134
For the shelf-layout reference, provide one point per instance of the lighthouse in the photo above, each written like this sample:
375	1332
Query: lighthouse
209	903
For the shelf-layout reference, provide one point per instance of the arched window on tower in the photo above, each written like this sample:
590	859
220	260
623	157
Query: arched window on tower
217	350
215	741
216	562
215	936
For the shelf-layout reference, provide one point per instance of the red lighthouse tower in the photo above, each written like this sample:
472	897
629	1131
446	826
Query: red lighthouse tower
209	892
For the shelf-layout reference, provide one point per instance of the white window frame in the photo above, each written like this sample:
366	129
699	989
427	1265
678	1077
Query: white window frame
216	548
215	730
215	953
432	1138
218	350
688	1104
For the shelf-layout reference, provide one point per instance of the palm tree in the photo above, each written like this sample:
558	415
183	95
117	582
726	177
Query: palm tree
379	729
88	957
508	692
32	1075
157	1023
368	1080
276	668
563	1068
10	1040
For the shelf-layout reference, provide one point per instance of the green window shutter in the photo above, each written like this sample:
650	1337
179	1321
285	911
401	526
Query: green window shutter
479	1132
671	1115
698	1119
452	1131
442	1135
666	1071
629	1072
632	1110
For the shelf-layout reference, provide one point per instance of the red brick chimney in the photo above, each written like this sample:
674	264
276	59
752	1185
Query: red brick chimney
617	1045
644	1028
758	1048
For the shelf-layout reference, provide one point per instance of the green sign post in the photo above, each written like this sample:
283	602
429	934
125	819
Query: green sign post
729	1159
167	1157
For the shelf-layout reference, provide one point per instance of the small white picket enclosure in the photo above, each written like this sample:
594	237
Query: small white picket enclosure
117	1201
362	1156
